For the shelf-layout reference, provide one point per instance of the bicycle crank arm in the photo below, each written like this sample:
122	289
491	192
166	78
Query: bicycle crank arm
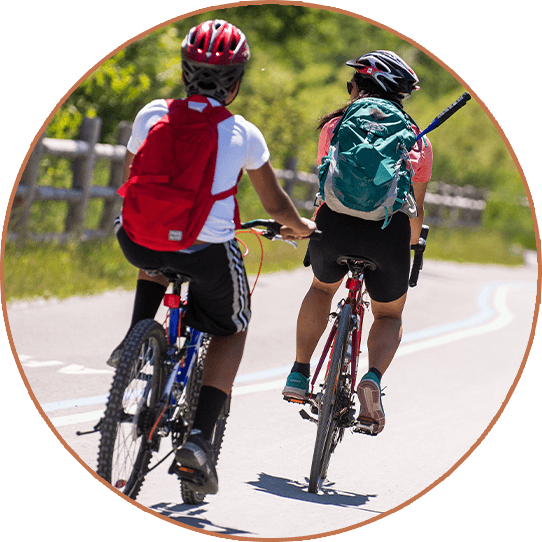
306	416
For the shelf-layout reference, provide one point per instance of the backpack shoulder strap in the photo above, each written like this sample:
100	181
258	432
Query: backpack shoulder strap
217	114
201	104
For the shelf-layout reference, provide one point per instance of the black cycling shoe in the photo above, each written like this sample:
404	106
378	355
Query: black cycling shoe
196	466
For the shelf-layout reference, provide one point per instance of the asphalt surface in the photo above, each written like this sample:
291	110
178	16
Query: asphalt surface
467	329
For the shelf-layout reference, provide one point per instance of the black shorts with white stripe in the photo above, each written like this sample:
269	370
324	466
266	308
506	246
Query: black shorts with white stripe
219	298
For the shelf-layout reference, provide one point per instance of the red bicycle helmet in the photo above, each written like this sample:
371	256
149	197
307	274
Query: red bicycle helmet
214	55
216	42
388	70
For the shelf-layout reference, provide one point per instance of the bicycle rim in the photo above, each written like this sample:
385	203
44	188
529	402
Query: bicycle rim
124	451
328	433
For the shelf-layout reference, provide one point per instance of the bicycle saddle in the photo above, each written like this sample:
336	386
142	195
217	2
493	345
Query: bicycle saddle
170	274
357	261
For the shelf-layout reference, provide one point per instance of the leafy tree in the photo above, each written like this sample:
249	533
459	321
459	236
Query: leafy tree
296	74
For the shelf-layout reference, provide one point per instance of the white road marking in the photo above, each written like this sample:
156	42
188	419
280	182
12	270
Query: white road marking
72	419
503	317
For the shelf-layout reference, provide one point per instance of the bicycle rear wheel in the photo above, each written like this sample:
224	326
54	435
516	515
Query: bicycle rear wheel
124	451
329	432
189	495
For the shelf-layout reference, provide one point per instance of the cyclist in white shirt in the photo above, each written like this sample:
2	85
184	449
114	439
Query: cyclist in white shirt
214	55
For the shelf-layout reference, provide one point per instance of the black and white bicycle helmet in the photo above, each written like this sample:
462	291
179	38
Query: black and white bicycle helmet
389	70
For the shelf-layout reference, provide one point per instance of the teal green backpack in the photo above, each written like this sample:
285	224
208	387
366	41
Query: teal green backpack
365	173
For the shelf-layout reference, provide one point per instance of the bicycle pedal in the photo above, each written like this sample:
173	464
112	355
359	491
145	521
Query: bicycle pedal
366	427
295	400
185	473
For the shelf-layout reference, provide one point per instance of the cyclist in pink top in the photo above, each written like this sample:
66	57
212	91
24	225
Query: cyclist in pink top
380	74
421	155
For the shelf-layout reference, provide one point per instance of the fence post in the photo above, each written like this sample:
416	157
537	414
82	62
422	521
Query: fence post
291	165
20	211
83	170
112	207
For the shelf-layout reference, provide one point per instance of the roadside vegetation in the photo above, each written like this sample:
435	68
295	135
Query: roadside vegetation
296	74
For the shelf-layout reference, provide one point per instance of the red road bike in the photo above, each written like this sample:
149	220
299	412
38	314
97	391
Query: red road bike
334	402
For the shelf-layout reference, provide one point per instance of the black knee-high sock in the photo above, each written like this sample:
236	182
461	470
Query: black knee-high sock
211	401
148	298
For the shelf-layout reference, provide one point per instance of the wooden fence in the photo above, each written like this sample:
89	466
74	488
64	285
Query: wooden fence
445	204
83	153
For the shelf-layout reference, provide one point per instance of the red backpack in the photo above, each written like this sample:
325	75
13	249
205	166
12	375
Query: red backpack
167	197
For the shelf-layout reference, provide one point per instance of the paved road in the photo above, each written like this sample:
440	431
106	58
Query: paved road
466	332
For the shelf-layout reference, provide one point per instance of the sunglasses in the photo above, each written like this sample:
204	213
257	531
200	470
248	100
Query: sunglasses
349	87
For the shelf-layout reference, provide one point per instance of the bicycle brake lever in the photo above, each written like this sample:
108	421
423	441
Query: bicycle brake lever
280	238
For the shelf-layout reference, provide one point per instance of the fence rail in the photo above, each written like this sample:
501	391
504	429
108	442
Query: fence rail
444	203
83	153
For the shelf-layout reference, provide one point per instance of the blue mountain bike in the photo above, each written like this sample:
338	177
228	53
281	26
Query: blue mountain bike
155	392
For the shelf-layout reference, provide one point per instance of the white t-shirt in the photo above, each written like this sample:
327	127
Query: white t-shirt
240	146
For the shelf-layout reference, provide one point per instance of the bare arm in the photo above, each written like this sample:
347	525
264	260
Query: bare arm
278	204
128	159
417	223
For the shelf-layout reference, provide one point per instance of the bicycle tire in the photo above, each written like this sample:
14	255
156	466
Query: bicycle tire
190	496
124	452
329	432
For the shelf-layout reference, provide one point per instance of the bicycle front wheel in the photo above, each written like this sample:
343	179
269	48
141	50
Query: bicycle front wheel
124	452
329	432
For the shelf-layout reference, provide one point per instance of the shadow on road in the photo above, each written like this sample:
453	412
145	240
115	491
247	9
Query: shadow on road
290	489
192	516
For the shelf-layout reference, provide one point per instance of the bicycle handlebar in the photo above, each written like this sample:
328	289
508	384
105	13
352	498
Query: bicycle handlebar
419	249
272	229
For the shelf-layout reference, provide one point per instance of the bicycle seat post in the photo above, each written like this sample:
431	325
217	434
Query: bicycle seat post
177	284
353	284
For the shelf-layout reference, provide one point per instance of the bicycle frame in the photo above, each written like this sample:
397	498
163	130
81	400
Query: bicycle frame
354	284
182	359
334	404
181	371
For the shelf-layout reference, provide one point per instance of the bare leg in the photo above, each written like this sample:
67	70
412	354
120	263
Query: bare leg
384	339
313	318
221	364
386	332
223	360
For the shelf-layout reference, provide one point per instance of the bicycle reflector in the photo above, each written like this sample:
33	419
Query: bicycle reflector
172	301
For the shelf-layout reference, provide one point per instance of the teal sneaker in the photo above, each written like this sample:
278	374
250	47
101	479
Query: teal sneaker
297	386
371	413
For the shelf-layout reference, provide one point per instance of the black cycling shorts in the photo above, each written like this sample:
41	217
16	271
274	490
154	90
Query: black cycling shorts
219	296
344	235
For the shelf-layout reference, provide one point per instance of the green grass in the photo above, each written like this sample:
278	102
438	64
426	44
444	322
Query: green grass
52	270
479	246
